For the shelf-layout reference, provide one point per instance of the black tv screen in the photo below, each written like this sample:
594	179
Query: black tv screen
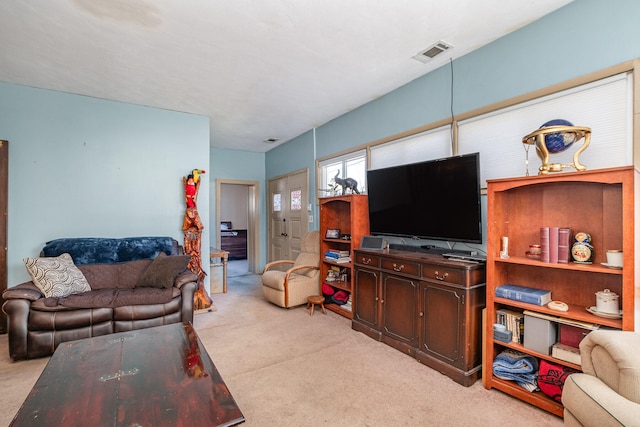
437	199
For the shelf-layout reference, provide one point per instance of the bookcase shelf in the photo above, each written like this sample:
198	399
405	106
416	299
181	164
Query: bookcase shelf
350	215
576	312
599	202
520	347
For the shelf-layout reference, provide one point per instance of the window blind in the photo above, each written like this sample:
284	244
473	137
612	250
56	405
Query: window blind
605	106
432	144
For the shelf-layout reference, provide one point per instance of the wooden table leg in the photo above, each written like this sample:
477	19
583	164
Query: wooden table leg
225	256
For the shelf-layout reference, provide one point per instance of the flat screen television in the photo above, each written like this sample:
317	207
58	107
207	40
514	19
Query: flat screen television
437	199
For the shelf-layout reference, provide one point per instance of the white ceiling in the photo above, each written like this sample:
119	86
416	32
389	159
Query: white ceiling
257	68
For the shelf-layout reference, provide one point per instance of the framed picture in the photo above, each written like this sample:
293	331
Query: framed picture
332	233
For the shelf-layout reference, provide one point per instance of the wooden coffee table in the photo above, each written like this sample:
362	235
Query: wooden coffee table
158	376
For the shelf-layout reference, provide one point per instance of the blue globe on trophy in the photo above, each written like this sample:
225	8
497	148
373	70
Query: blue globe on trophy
557	142
556	136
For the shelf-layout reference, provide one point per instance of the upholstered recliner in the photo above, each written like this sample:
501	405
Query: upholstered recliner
608	392
292	287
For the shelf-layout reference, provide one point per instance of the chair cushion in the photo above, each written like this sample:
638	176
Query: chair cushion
115	298
273	279
310	242
307	259
56	276
163	271
592	402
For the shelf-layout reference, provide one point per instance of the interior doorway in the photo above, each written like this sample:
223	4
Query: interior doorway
237	223
4	204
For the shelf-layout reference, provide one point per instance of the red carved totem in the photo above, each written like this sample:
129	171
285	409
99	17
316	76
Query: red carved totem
192	228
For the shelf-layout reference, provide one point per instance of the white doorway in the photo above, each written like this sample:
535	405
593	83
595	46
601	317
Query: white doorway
237	223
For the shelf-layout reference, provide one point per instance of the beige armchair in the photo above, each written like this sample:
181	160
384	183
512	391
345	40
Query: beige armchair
292	287
608	392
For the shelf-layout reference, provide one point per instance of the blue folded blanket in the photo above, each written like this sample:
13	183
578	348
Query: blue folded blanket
101	250
517	366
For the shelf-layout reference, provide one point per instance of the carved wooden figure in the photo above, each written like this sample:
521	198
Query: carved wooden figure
192	228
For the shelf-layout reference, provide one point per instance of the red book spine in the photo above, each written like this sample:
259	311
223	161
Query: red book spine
544	244
553	244
564	238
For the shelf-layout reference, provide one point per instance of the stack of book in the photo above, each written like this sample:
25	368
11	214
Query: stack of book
567	353
514	322
337	256
524	294
348	306
567	347
555	243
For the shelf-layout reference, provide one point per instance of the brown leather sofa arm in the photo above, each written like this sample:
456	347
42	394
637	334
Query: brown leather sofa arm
26	290
18	311
187	291
184	278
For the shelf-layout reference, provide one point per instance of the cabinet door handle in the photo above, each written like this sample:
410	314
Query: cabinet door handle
397	267
421	314
366	261
444	276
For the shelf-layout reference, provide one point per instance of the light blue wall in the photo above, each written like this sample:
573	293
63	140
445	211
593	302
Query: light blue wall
86	167
582	37
295	155
81	166
241	166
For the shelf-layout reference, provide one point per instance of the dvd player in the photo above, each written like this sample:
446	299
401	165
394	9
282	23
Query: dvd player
457	256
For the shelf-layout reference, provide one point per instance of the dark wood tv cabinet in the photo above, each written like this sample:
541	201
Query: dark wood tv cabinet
424	305
234	242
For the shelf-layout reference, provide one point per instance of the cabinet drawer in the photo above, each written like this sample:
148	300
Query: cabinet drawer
368	260
400	266
444	274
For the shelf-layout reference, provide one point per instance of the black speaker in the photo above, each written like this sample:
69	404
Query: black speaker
372	243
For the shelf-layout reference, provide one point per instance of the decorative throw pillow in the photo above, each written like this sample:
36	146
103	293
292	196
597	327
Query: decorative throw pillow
56	276
163	270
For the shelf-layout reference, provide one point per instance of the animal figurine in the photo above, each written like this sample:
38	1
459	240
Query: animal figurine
346	183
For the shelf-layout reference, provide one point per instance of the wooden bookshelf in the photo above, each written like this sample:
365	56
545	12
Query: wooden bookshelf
350	215
599	202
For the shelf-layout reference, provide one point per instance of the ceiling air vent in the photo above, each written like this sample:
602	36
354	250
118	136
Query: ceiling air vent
432	51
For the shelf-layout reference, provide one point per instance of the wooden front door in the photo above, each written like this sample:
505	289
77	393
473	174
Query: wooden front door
288	214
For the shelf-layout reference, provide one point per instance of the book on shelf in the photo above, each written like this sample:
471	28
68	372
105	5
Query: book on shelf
513	321
555	243
338	253
566	353
544	244
564	245
524	294
341	260
566	320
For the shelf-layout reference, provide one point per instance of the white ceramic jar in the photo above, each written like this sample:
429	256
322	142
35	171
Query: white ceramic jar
607	302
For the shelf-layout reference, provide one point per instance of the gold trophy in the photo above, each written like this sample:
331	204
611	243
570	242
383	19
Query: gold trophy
556	136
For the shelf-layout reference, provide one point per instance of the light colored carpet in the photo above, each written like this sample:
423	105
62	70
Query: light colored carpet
238	267
285	368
